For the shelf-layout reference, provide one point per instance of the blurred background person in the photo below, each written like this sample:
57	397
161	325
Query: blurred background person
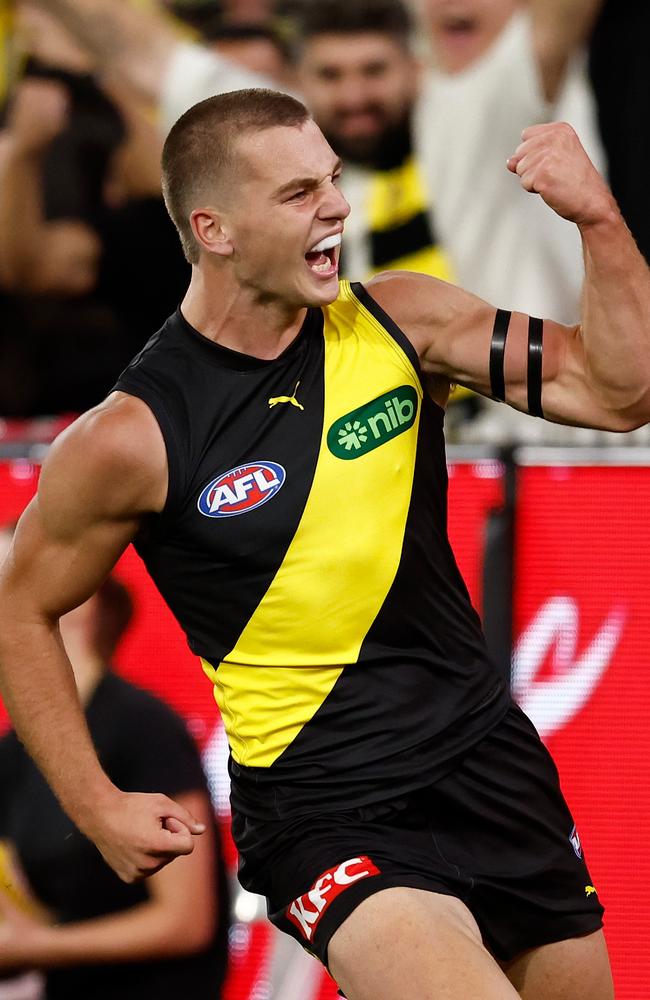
498	67
165	937
259	44
258	47
79	185
361	79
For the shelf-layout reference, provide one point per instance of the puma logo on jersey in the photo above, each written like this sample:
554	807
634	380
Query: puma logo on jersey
306	911
274	400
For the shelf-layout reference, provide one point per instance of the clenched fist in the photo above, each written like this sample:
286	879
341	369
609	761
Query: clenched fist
552	162
138	834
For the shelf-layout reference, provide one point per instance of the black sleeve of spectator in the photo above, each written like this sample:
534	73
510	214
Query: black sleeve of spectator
156	753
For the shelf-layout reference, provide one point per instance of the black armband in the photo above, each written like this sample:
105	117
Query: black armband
497	353
535	336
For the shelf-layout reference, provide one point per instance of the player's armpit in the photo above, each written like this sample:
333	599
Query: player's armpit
536	366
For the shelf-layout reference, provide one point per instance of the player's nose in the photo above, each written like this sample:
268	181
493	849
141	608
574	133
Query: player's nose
334	206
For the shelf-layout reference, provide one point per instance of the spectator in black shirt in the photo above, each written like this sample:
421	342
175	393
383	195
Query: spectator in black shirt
165	937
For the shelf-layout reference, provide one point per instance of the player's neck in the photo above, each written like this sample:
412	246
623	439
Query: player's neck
236	318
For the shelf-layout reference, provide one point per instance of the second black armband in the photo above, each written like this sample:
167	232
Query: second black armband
535	338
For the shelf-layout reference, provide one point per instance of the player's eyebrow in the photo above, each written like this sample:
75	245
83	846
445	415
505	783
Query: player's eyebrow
305	183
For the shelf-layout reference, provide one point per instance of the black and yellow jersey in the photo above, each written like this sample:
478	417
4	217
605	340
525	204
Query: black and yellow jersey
304	550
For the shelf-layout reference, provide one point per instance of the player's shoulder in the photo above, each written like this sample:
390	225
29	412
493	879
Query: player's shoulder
416	302
113	455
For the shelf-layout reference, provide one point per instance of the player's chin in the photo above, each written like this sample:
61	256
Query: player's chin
322	289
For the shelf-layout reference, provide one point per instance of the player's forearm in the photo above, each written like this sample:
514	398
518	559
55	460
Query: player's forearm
133	44
38	689
616	317
147	931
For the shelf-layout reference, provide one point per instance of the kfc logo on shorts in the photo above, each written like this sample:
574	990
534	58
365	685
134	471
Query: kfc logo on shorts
242	489
306	911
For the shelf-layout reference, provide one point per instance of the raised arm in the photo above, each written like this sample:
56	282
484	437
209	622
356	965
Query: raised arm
140	48
559	28
132	43
38	256
596	374
100	478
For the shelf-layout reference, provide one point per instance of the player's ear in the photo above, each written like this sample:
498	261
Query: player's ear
207	227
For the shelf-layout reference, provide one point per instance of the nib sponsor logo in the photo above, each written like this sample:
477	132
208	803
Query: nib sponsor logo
306	911
374	423
552	701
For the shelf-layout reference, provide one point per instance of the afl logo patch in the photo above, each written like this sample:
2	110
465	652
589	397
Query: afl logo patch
241	489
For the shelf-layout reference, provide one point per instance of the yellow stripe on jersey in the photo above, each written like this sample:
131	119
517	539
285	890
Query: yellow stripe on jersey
264	708
341	561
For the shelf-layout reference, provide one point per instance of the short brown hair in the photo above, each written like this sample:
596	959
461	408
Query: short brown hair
353	17
199	148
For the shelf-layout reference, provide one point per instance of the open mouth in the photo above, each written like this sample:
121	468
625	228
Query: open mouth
323	258
458	26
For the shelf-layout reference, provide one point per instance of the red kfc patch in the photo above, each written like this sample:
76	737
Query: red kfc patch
306	911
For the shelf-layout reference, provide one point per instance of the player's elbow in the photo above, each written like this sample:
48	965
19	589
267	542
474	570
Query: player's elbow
629	417
194	934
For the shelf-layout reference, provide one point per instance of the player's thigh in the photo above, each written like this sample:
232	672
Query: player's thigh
564	970
403	942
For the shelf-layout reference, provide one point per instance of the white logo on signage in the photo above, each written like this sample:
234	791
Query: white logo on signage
551	703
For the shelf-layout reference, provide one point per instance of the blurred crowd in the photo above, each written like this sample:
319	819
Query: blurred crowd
424	100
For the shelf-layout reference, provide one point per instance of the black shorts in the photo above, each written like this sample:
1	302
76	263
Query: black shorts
496	833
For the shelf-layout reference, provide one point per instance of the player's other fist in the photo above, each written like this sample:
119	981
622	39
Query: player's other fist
551	162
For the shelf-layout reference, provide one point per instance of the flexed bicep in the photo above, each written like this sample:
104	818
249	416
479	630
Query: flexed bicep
535	365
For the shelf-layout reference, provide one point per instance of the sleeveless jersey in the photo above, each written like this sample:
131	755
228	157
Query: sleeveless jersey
303	548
